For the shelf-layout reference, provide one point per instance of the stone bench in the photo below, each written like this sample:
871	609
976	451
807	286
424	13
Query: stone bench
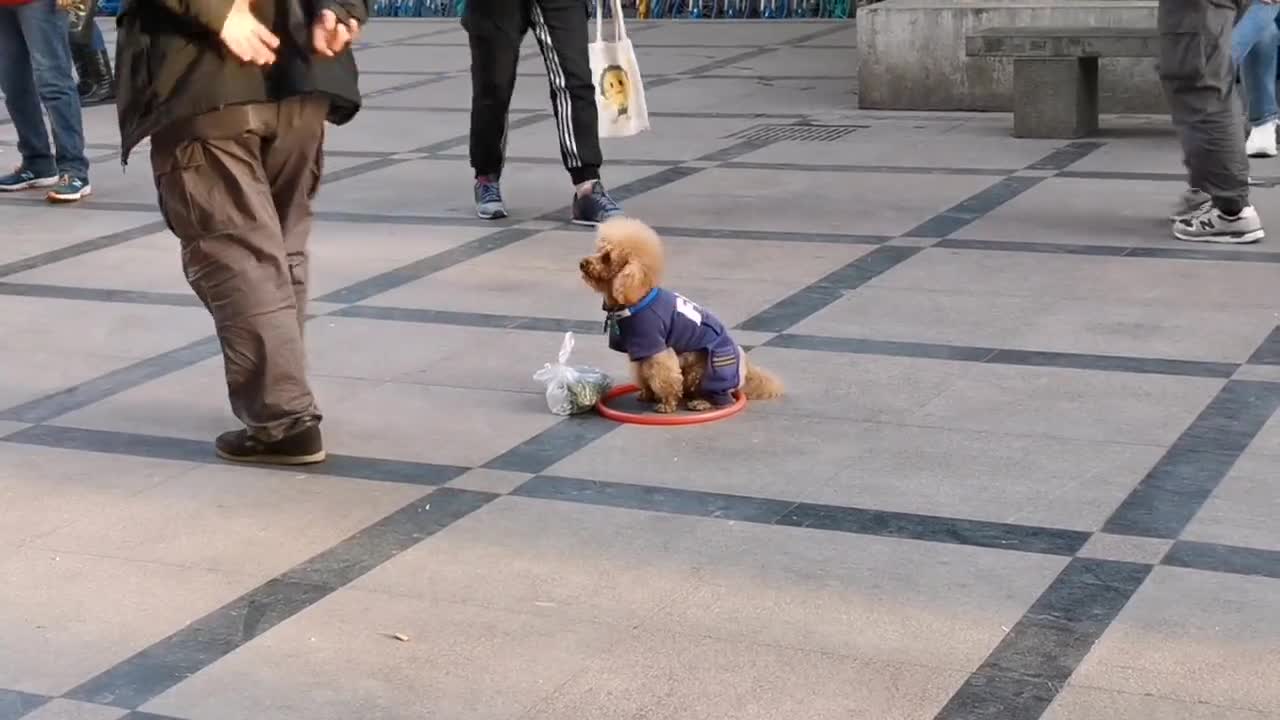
1055	72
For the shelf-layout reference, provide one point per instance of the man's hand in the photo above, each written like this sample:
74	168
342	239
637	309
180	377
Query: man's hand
247	38
330	36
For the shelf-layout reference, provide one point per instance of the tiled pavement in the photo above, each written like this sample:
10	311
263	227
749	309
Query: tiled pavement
1027	467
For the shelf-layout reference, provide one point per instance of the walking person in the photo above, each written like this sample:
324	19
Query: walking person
495	29
1255	44
234	97
1198	73
36	71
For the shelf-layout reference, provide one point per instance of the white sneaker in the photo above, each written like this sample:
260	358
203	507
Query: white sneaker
1212	226
1262	140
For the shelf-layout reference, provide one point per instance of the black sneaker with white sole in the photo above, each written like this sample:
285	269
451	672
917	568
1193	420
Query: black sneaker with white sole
1211	225
302	448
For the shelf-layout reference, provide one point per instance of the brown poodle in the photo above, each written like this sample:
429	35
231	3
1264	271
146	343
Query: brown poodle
678	350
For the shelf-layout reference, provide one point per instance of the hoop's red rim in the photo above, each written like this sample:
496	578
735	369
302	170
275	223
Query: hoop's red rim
602	407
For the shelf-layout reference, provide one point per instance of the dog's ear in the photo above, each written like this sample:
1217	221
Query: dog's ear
631	283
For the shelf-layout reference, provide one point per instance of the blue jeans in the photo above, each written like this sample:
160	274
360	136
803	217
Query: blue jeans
35	68
99	43
1254	44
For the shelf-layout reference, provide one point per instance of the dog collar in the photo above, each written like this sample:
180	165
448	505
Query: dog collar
614	316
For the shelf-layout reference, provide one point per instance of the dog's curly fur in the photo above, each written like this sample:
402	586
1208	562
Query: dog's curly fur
627	264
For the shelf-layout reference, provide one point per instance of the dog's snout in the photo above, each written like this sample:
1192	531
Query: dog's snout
584	264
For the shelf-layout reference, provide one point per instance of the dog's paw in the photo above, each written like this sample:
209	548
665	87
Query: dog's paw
666	406
698	405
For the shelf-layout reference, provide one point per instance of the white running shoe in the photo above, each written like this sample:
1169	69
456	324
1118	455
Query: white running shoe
1212	226
1262	140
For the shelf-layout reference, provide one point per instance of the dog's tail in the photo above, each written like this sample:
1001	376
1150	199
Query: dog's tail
758	383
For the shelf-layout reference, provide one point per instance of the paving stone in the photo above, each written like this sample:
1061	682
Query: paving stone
494	481
1243	510
1194	637
1126	548
70	710
522	657
1084	703
69	617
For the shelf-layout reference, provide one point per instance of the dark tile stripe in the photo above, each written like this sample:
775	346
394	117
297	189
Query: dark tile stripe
871	169
785	313
184	450
1268	353
117	381
139	715
428	220
818	34
1232	559
696	115
409	85
419	269
1175	489
152	671
892	348
930	528
132	297
81	248
998	356
1160	253
1114	363
467	319
15	705
554	444
1219	255
107	205
1031	247
1065	156
974	208
1027	670
1124	175
735	151
725	62
771	236
772	511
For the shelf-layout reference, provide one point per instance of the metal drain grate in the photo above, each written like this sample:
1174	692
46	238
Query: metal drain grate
795	133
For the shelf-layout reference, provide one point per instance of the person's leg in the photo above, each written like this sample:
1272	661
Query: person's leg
17	82
560	27
93	64
1258	72
294	161
494	31
45	30
216	197
1198	74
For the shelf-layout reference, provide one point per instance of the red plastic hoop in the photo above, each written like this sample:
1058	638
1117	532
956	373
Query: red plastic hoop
698	418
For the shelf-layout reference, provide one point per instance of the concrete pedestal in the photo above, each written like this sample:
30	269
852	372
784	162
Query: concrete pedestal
912	53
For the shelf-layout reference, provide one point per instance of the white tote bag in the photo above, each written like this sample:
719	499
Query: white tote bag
619	90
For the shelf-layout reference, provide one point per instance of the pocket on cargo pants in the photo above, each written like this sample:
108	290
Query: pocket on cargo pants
1182	56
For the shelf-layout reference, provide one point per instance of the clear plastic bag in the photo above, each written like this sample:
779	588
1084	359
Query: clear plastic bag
572	389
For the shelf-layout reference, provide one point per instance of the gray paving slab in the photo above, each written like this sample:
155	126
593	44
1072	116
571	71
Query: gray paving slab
1244	508
393	130
68	617
70	710
256	523
669	138
979	317
1084	703
1079	404
669	675
522	658
1194	637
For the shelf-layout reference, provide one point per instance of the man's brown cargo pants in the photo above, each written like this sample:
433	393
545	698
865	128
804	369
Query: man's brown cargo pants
236	186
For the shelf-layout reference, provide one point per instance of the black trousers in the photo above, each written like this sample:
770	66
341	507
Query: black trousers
496	29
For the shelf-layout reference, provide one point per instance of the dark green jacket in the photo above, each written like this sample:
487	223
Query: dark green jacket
170	64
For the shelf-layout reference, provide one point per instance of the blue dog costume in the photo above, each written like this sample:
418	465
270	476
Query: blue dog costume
663	319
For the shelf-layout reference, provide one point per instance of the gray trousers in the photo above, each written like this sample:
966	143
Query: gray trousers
1199	81
236	187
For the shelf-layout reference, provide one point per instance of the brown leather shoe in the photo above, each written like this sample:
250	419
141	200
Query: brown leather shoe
301	448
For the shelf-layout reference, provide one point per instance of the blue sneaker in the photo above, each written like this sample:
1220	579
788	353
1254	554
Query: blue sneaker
594	207
69	189
23	179
489	200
